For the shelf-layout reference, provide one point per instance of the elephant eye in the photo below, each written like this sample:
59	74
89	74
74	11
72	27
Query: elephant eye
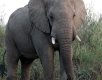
51	17
74	15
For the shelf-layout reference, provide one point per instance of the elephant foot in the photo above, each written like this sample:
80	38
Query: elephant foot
11	78
63	76
71	78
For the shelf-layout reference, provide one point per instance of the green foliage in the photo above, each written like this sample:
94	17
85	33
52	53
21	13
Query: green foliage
2	32
88	53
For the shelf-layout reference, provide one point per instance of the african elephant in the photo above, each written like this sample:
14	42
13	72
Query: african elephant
29	32
59	18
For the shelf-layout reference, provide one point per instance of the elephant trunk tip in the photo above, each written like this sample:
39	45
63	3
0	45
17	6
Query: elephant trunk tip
78	38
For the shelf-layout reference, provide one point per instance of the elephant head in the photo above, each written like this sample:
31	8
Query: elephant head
60	18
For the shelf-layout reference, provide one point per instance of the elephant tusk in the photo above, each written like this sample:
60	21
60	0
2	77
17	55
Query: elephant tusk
78	38
53	40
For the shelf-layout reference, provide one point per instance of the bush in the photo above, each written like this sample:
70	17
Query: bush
2	33
88	53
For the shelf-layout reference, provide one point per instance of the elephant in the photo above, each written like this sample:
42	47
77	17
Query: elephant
37	30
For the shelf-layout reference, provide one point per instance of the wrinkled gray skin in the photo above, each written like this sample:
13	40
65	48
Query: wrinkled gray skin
30	38
19	45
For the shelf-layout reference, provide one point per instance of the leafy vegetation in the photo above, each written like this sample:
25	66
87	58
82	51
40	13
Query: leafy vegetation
88	53
1	36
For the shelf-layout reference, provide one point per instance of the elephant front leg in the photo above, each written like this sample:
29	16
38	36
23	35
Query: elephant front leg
11	74
12	57
45	53
25	68
12	62
46	59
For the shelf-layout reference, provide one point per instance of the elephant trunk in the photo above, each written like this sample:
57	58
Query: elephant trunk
66	53
64	36
62	30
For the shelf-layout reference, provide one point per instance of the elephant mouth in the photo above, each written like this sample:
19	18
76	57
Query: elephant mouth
54	41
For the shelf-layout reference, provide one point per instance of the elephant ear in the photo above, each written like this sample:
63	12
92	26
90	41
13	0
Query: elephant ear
80	12
38	16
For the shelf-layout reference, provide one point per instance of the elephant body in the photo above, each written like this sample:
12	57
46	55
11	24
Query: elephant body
29	32
19	28
19	40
